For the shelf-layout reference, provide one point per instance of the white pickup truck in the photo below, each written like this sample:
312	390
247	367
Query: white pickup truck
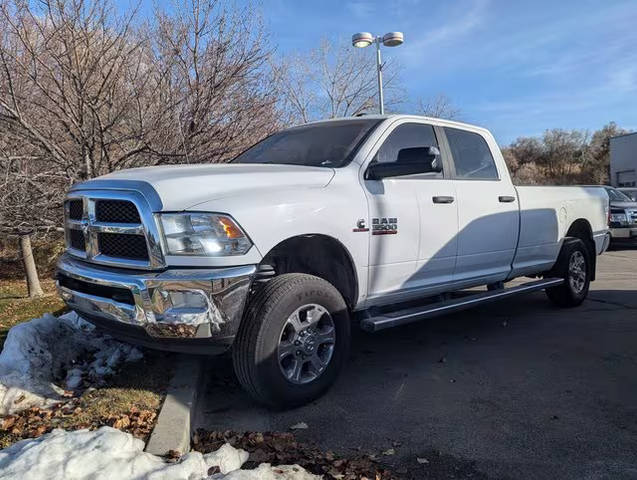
380	220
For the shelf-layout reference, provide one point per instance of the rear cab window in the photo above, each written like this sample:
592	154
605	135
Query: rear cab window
471	155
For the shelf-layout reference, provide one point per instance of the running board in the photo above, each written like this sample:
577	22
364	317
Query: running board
409	315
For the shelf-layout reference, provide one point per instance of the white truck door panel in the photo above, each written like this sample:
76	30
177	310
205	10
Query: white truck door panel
488	229
392	256
422	252
438	209
488	215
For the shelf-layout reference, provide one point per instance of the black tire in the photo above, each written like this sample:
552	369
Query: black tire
575	288
256	348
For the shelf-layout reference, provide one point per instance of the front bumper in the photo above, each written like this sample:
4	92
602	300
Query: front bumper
192	310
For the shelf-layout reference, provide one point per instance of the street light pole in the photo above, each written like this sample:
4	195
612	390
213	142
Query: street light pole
365	39
379	70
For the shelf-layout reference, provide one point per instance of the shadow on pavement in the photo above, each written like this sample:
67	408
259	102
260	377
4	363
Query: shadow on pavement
522	388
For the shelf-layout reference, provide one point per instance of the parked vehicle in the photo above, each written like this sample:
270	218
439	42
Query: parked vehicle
380	220
629	192
623	215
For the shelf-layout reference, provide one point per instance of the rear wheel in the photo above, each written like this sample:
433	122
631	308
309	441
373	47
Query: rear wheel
292	341
575	266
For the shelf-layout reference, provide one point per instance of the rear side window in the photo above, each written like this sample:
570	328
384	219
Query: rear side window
471	155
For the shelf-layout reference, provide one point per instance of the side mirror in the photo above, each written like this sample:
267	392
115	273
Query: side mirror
410	161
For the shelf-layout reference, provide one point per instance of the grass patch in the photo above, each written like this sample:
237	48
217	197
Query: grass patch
16	306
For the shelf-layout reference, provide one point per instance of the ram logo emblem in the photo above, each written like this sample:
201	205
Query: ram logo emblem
385	226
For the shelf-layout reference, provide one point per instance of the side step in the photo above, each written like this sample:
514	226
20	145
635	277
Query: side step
409	315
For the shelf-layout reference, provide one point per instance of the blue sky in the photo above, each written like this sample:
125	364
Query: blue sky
516	67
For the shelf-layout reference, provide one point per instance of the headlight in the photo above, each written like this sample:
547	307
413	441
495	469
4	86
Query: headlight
204	234
618	218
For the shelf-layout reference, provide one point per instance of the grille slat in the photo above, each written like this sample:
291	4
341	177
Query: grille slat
116	211
115	293
123	245
76	239
76	209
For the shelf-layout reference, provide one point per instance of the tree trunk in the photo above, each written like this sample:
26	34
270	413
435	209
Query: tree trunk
33	282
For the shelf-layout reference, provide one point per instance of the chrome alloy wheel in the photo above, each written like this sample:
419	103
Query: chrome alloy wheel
577	271
306	344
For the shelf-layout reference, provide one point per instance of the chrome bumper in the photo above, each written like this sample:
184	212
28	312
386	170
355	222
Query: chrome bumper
173	304
623	232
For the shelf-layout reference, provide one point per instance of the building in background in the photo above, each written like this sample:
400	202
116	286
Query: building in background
623	160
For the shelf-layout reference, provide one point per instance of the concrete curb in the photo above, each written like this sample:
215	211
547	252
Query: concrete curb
172	430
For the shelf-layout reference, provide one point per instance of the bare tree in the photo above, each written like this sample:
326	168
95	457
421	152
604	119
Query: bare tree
85	91
29	200
597	167
333	80
211	68
439	106
562	156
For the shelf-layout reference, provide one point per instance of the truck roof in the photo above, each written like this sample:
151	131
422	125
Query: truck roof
434	120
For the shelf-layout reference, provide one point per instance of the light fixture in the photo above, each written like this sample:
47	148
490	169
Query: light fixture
393	39
365	39
362	40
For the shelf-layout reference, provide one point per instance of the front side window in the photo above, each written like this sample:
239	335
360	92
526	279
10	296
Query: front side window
405	143
327	144
471	155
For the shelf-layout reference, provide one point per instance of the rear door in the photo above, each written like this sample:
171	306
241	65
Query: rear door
413	222
488	215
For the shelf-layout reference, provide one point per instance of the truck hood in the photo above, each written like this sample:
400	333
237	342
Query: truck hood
181	187
623	204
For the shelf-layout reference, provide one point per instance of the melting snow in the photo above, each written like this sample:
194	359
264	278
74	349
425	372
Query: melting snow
107	453
38	353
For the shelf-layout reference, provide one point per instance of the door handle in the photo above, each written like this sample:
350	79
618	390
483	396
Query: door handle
506	198
442	199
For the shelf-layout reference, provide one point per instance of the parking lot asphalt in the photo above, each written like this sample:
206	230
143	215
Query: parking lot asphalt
518	389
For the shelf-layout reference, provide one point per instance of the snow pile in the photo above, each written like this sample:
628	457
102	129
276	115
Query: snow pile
108	453
40	359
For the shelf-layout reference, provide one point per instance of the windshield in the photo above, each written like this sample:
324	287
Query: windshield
328	144
630	193
617	196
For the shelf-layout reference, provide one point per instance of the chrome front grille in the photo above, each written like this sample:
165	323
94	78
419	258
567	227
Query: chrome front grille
112	227
77	240
76	209
116	211
123	245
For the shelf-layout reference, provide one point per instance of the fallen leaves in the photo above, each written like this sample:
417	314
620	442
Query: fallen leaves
137	422
35	421
284	449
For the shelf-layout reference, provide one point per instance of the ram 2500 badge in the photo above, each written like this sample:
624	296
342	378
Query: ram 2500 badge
377	221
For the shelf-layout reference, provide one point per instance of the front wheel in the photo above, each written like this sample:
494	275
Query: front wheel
293	340
574	265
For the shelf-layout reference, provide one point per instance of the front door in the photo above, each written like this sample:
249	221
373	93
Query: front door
414	223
